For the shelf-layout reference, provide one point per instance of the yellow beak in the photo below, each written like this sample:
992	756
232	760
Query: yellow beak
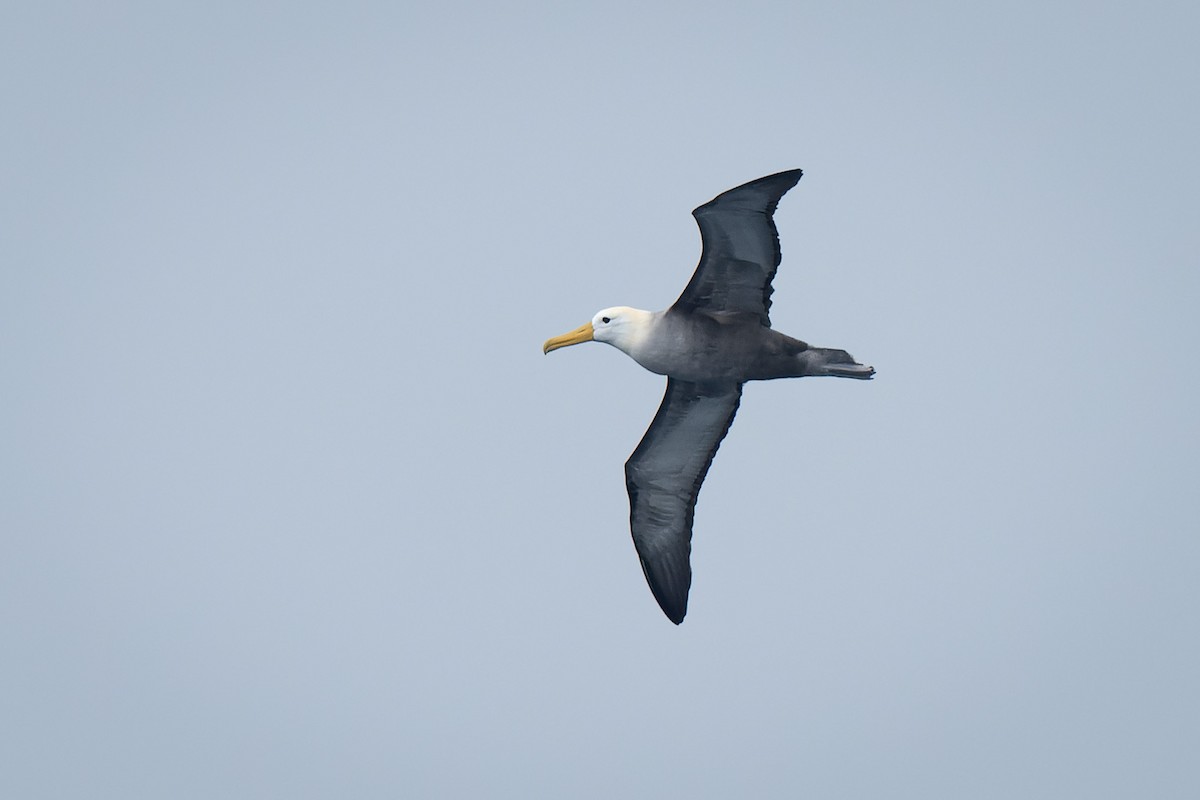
584	333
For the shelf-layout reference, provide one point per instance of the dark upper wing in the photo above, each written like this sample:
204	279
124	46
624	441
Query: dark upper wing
664	476
741	249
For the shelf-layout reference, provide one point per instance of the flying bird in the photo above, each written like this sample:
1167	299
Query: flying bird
714	338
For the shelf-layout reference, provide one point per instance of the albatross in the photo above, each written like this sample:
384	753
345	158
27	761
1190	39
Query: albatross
714	338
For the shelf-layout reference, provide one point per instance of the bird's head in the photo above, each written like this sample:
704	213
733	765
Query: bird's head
620	326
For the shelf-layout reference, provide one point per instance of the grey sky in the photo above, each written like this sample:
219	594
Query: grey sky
294	506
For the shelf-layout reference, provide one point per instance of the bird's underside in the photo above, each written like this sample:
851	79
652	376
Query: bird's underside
714	348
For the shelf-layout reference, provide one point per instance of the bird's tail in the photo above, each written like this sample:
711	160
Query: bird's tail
838	363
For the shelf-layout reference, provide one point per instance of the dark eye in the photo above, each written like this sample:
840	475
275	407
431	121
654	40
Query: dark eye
605	320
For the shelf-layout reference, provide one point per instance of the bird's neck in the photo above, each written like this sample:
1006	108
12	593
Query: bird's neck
638	333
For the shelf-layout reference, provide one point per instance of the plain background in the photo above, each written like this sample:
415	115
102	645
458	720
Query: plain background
292	504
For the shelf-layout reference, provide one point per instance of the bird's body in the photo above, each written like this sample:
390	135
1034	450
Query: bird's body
714	338
715	347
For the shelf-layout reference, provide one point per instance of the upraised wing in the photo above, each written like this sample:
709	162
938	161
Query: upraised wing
663	477
741	249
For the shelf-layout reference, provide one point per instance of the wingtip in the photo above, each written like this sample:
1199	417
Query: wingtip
671	607
670	589
793	175
778	184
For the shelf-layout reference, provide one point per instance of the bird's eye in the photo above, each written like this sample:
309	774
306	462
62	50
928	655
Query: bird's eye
605	320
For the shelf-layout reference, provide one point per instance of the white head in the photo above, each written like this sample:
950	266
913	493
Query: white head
622	327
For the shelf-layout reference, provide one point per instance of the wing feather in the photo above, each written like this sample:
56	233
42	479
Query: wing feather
663	477
740	249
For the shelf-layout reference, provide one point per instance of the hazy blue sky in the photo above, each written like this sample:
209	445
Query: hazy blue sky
293	506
